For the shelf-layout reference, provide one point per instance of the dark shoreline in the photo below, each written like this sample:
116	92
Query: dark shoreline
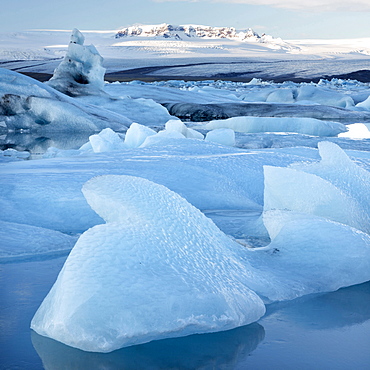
143	74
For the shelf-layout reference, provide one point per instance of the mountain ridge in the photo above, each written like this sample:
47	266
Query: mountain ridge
181	32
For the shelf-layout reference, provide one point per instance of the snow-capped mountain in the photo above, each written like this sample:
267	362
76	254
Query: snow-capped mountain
198	33
184	32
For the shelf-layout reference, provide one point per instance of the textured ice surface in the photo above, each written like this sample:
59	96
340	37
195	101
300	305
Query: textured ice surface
81	72
308	126
31	105
19	241
158	268
364	104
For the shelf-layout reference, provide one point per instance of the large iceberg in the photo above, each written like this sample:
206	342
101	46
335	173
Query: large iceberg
317	216
158	268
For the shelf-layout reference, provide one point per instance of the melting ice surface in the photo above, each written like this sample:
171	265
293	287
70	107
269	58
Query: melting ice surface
159	268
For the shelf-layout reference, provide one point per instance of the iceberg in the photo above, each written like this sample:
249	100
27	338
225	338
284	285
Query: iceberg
338	168
137	134
298	191
81	72
317	216
179	126
106	141
157	269
214	111
313	254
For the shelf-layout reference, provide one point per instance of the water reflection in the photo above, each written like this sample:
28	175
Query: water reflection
320	315
37	144
343	308
215	351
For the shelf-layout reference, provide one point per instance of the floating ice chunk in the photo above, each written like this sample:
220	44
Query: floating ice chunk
84	148
224	136
308	126
301	192
337	168
81	72
310	254
106	141
136	135
179	126
20	241
357	131
162	138
159	268
77	37
364	104
194	134
223	348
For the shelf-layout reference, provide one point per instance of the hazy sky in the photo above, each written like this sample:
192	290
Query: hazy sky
288	19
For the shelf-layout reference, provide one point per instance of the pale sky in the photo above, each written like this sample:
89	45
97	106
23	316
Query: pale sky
288	19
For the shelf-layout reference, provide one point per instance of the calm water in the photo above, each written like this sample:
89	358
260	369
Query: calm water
327	331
